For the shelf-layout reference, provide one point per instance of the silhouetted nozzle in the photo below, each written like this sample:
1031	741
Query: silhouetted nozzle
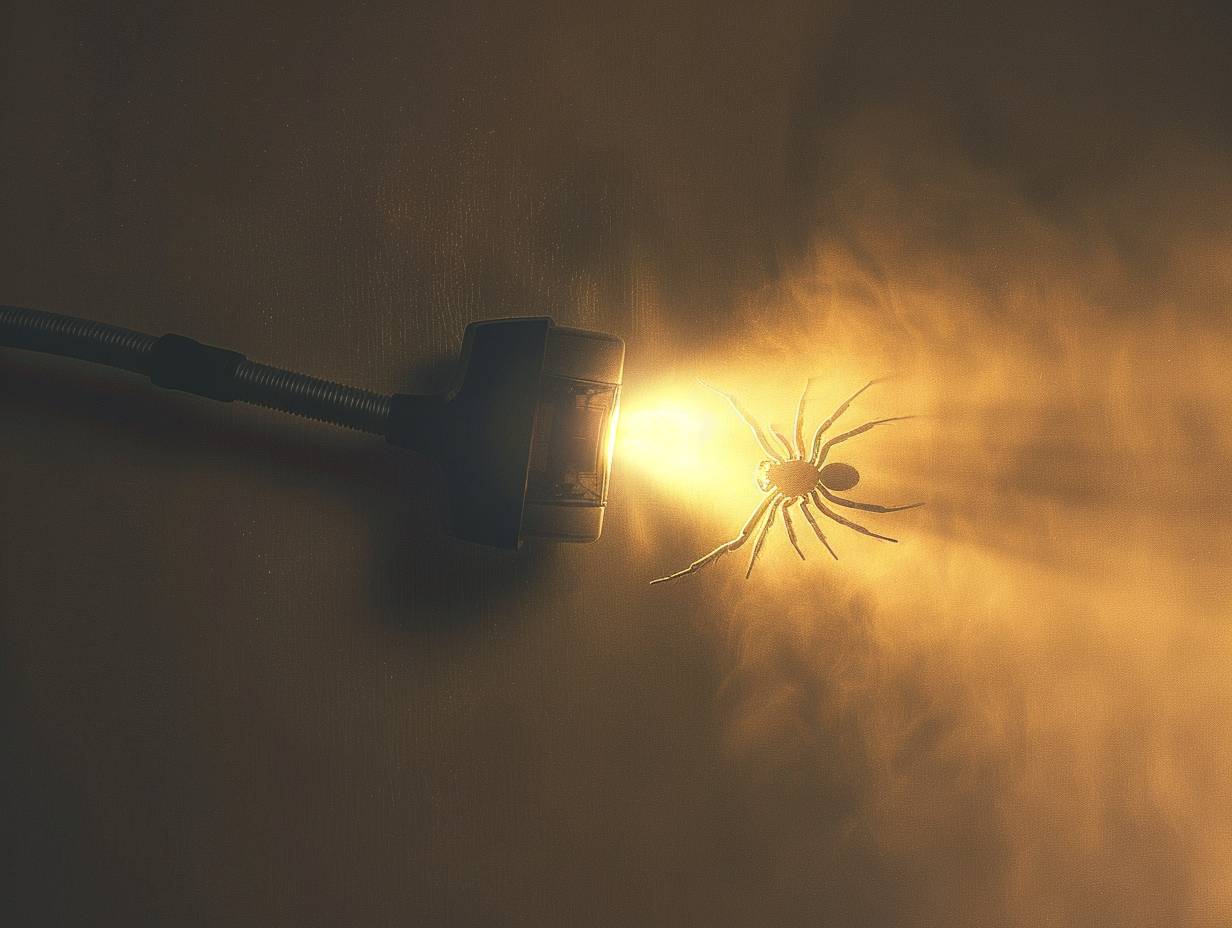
525	437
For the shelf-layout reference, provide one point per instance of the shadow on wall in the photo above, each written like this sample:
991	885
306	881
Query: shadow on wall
421	578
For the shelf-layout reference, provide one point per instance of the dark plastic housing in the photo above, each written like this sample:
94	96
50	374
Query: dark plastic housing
525	438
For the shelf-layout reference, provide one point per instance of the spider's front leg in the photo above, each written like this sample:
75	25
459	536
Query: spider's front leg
821	429
800	418
819	456
758	432
728	545
790	455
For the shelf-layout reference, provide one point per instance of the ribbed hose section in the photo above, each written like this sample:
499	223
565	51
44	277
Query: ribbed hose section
306	396
51	333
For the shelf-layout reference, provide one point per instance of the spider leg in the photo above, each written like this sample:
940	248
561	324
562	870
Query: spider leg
816	528
752	423
867	507
783	441
821	429
800	419
838	439
761	536
727	545
821	507
791	529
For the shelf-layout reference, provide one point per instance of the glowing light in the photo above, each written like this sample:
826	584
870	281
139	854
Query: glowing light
665	438
674	441
609	446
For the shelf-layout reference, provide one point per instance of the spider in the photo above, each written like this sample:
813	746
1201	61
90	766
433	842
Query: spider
791	476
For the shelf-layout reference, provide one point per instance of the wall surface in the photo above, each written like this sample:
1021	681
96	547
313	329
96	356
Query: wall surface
245	680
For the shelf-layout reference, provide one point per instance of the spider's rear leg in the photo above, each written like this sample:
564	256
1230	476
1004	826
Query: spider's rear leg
867	507
727	545
826	511
761	536
816	528
791	529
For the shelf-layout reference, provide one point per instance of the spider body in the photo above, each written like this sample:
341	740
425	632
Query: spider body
792	478
797	475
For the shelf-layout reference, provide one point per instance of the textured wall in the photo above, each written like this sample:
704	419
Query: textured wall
245	681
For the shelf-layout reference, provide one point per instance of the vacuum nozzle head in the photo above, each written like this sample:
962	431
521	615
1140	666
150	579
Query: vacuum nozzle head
526	435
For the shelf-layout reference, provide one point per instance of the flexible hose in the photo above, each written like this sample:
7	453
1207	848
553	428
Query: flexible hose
249	382
311	398
76	338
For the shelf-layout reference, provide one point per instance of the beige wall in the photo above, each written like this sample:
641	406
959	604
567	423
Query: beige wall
245	681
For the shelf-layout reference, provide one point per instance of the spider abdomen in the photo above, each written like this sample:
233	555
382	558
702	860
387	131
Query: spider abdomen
793	478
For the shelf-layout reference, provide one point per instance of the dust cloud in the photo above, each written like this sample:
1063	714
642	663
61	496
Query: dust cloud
1019	714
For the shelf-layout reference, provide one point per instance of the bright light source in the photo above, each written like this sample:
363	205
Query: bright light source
666	439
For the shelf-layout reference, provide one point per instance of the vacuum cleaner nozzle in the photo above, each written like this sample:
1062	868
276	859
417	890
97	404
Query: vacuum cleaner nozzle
525	437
